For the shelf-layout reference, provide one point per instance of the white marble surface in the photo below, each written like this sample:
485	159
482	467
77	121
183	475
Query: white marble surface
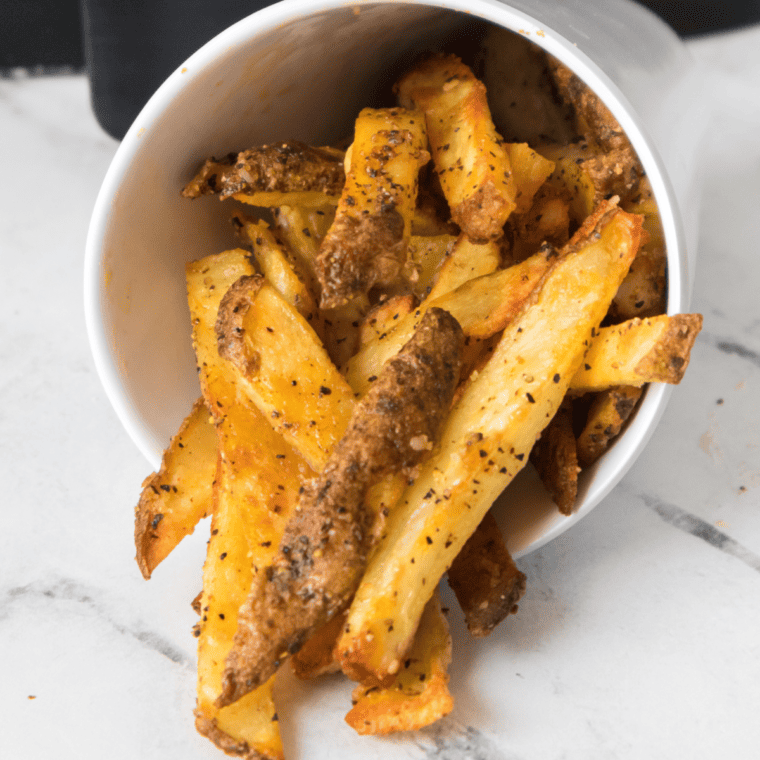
638	637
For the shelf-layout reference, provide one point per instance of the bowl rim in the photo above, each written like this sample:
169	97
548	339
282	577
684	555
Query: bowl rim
259	24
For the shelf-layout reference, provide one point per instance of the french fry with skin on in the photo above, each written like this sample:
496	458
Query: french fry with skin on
486	440
325	545
419	694
366	244
468	153
482	307
180	494
281	174
651	350
255	492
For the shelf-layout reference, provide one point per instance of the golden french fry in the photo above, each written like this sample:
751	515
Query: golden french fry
606	417
366	244
287	173
280	268
485	579
256	490
384	317
180	494
466	261
651	350
469	156
419	694
284	368
482	307
424	257
555	458
486	440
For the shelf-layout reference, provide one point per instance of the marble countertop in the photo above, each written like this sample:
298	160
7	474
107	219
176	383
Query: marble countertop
638	637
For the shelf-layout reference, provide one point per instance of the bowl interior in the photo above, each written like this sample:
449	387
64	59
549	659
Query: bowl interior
289	72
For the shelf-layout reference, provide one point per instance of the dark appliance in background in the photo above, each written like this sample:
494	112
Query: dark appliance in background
128	47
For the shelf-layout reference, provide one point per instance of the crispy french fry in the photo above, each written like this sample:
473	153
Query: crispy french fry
302	229
643	292
180	494
281	269
485	579
469	156
424	256
256	490
343	328
284	368
546	221
555	457
287	173
486	440
366	244
317	656
384	317
530	170
482	307
419	694
651	350
466	261
606	417
325	545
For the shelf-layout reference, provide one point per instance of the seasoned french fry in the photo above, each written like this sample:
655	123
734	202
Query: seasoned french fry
424	256
384	317
606	417
469	156
486	440
180	494
284	368
256	491
485	579
317	656
280	269
466	261
419	694
366	245
288	173
302	230
482	307
325	545
530	170
651	350
555	457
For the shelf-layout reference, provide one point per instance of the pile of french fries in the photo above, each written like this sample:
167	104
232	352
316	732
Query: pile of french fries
406	325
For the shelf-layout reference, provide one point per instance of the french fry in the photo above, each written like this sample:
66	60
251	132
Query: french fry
325	545
317	656
180	494
280	268
486	440
485	579
468	154
530	170
384	317
343	328
482	307
419	694
287	173
651	350
606	417
466	261
284	368
555	457
302	229
424	256
366	244
256	490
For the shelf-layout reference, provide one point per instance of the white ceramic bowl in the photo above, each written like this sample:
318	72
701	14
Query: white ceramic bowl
302	69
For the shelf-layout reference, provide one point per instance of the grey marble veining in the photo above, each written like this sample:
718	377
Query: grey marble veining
637	637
